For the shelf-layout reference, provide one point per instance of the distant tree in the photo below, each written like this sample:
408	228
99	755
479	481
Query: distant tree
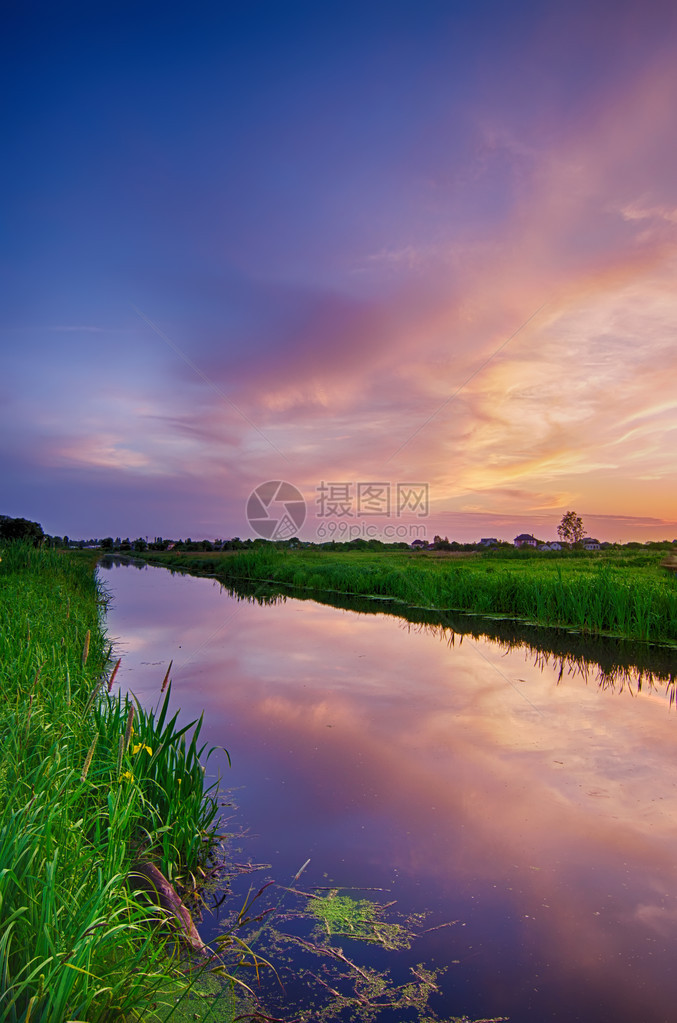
20	529
107	543
570	529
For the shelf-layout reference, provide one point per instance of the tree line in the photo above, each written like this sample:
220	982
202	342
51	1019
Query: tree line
570	531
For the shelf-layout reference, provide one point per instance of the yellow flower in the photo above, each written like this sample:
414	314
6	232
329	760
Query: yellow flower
141	745
127	775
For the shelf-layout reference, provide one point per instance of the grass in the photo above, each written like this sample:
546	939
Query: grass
89	785
616	593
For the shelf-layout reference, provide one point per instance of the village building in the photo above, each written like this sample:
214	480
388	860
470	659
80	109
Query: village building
525	540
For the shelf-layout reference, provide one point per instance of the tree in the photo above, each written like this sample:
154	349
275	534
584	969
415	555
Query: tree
20	529
570	529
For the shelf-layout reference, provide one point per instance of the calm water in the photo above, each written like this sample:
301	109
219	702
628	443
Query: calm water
541	815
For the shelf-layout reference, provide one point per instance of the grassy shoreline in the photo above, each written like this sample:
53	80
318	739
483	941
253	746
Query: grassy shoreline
94	789
627	595
91	788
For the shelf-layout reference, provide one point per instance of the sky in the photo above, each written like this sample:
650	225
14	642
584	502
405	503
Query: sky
422	245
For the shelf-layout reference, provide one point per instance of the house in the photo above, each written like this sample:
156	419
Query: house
555	546
488	541
591	545
525	540
544	547
419	545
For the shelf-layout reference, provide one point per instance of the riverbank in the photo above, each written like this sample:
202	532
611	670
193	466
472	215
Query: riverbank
619	593
93	790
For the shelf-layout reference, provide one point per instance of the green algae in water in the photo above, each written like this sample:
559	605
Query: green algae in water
360	919
324	951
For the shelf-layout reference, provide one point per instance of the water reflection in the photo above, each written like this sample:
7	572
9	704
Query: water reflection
486	781
610	662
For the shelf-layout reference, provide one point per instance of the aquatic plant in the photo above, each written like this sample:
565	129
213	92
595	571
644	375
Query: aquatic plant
332	980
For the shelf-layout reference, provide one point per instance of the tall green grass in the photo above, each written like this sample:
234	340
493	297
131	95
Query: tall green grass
89	784
595	595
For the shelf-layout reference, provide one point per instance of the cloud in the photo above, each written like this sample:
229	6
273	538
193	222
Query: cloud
638	211
403	368
104	451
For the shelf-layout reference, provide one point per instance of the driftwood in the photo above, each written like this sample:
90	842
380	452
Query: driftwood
153	881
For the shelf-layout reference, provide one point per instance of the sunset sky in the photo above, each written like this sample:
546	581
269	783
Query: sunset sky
401	242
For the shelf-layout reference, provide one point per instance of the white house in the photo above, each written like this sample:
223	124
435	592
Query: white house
525	540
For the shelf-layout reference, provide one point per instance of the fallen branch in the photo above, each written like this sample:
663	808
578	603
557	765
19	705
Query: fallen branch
153	881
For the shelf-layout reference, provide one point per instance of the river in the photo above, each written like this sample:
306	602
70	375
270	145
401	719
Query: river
505	793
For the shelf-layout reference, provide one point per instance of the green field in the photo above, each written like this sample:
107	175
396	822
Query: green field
618	592
91	786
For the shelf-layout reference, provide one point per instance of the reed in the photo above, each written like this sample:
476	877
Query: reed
611	594
89	782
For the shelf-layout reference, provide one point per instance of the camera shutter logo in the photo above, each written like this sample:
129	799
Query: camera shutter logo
276	510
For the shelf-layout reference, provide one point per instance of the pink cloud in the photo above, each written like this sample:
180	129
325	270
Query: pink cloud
403	370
